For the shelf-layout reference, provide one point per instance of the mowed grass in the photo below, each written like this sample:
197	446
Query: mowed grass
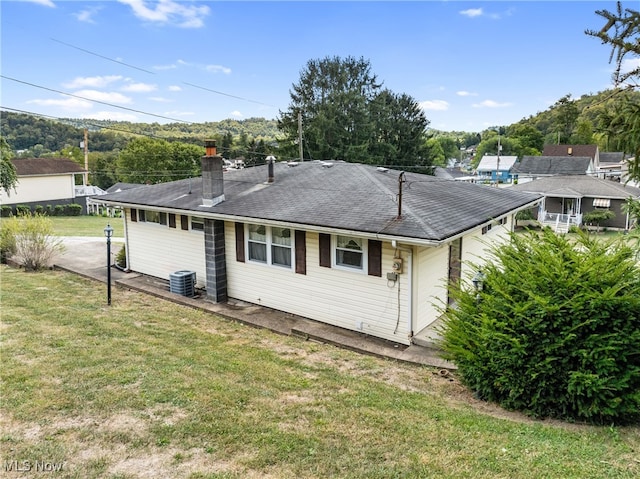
148	388
86	225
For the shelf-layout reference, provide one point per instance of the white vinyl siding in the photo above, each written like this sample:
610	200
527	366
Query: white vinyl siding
432	270
40	188
159	250
331	295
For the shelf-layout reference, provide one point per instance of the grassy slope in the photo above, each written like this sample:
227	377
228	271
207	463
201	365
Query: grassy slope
147	388
86	225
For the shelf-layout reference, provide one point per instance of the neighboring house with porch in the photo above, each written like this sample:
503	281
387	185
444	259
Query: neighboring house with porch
363	248
568	198
495	169
44	181
531	168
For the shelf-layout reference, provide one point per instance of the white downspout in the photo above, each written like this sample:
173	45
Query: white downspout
409	264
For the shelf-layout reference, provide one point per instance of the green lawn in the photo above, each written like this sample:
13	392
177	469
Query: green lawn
86	225
147	388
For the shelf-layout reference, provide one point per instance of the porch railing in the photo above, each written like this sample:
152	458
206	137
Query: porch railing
561	223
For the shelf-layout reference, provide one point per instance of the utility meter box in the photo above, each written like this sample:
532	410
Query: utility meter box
396	266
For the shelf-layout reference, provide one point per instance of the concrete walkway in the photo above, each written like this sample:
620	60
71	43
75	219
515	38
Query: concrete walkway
88	257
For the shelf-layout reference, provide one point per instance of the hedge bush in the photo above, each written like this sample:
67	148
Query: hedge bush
555	331
72	209
23	210
6	211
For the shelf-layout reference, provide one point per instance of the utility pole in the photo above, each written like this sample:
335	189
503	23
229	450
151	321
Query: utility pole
300	135
498	163
86	157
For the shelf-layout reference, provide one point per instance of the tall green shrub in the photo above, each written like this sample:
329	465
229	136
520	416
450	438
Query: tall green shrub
555	331
29	238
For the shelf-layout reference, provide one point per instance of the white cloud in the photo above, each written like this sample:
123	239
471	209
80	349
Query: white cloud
175	88
465	93
109	97
46	3
94	82
160	99
139	87
236	114
87	15
165	67
71	104
434	105
491	104
169	12
629	64
472	12
178	113
218	68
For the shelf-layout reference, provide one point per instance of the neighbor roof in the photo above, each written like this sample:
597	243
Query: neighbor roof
45	166
490	163
582	185
570	150
346	196
552	165
122	186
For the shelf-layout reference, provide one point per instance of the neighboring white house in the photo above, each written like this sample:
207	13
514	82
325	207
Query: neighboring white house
43	180
363	248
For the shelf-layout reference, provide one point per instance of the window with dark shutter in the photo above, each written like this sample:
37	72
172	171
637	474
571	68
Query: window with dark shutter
172	220
141	215
134	215
301	252
240	242
325	250
375	258
184	222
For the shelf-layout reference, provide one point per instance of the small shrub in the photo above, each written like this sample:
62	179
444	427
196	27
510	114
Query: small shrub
6	211
73	209
58	210
30	239
121	258
39	210
597	217
555	330
50	210
23	210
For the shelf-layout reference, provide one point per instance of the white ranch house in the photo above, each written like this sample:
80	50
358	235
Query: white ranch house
355	246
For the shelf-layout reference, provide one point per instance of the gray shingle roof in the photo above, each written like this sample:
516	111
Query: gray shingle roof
346	196
611	157
552	165
578	185
45	166
570	150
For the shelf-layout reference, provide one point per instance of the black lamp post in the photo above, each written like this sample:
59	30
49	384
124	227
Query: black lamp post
108	232
478	283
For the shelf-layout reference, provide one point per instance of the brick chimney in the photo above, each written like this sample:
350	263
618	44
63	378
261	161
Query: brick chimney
212	181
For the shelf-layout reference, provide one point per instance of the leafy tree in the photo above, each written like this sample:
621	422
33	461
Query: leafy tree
554	331
566	116
530	138
146	160
102	169
583	134
597	217
8	174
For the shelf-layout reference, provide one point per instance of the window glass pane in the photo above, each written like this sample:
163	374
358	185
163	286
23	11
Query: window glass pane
258	252
197	224
152	217
257	233
281	255
349	258
281	236
349	243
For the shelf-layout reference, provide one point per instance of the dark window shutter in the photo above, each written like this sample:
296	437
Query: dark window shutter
240	242
172	220
163	219
325	250
184	222
141	215
301	252
374	257
134	215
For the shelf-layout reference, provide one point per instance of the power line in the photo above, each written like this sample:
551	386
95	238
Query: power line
92	100
101	56
227	94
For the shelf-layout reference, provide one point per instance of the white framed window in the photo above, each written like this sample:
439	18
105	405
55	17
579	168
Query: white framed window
270	245
197	223
350	253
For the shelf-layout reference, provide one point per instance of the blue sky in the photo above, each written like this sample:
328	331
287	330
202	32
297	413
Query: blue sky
470	65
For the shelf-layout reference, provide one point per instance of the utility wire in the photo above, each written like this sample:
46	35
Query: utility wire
96	101
101	56
227	94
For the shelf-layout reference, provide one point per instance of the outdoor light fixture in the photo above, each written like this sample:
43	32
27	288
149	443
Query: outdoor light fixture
108	232
478	281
